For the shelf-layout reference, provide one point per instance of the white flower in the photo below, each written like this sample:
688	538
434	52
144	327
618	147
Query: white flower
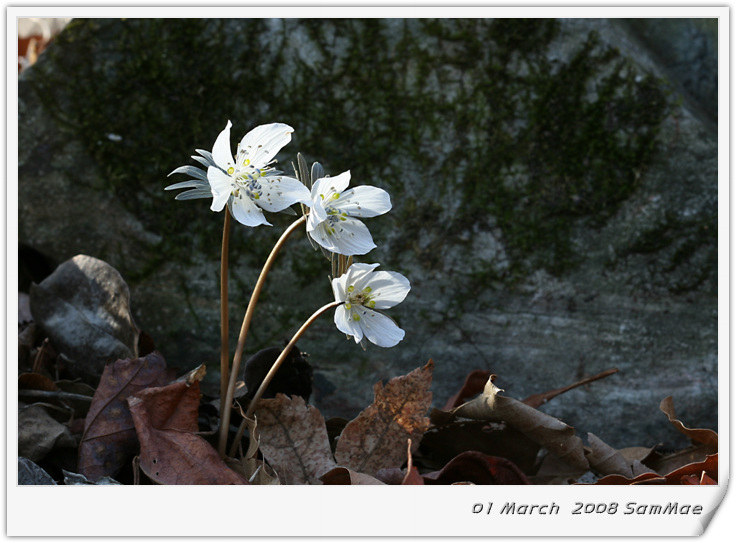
246	183
332	222
364	294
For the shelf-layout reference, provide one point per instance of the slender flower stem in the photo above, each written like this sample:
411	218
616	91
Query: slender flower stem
224	340
275	368
226	406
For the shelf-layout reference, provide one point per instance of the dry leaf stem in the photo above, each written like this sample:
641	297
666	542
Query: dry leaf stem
225	406
274	369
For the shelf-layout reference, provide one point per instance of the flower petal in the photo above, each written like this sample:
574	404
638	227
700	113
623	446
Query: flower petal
364	201
378	328
316	216
221	185
263	143
247	212
345	323
282	192
221	152
339	288
388	288
325	187
350	237
359	272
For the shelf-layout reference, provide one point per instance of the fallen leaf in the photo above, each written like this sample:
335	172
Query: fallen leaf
165	421
109	439
621	480
197	374
694	480
667	463
293	439
708	467
344	476
699	435
640	454
474	383
376	438
391	476
553	471
39	433
444	442
606	460
84	308
254	469
479	469
555	435
35	381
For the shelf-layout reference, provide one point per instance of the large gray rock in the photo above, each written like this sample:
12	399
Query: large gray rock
554	200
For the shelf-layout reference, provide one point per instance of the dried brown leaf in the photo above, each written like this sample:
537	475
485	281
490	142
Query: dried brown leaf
708	468
667	463
391	476
695	480
478	468
444	442
699	435
376	438
606	460
253	468
621	480
197	374
344	476
473	385
39	433
553	471
109	439
552	433
35	381
632	454
165	420
293	439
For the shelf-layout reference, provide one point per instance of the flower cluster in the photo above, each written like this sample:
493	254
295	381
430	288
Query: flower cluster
248	183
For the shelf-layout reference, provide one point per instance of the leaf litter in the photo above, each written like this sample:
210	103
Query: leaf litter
141	425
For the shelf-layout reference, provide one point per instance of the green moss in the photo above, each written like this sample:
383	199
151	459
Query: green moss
675	244
480	110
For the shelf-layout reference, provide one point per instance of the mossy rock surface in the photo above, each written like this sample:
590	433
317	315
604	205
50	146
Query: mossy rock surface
554	186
